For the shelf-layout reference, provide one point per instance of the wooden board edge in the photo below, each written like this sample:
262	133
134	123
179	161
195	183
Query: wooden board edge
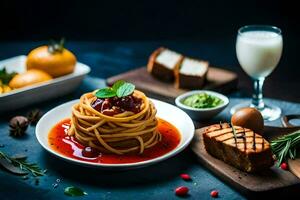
230	181
226	88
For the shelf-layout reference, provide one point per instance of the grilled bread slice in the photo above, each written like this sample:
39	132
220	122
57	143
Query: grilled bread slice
191	73
162	63
238	146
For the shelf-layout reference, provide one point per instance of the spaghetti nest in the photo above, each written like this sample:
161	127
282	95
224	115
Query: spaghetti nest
121	133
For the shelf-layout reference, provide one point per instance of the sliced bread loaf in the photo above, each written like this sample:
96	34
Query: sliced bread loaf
191	73
163	62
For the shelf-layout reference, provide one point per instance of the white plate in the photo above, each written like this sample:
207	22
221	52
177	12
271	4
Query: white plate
39	92
165	111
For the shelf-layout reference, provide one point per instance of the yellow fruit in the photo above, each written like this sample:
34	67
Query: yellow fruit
6	88
29	77
56	62
1	90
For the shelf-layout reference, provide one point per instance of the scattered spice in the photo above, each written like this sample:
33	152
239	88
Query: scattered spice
185	177
214	193
34	116
181	191
284	166
18	126
36	181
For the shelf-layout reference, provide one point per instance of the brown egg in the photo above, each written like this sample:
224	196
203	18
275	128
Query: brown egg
249	118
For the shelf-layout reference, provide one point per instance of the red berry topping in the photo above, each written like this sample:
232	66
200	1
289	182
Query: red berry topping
185	177
214	193
181	191
284	166
90	152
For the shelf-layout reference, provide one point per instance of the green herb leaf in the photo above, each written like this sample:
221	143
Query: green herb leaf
5	77
119	89
125	89
23	165
56	46
10	167
105	93
74	191
285	147
117	85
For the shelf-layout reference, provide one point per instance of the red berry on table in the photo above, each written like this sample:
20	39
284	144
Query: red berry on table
185	177
181	191
284	166
214	193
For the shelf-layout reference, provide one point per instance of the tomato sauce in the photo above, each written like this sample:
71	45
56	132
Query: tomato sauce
68	146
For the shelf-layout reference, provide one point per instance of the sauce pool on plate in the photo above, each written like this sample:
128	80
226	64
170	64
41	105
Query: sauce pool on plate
66	145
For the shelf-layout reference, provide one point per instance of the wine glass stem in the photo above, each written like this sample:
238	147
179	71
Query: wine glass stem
257	97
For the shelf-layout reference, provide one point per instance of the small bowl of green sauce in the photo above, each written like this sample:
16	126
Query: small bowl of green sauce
202	104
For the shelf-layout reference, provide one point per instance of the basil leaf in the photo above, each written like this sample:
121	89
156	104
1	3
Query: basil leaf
117	85
125	89
105	93
74	191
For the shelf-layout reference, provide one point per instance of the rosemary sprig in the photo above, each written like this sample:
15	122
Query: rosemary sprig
286	146
234	133
32	168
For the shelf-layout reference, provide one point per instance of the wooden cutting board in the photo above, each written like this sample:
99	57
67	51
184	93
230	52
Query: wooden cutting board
294	166
271	179
218	79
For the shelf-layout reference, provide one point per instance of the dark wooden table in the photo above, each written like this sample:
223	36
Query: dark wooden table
158	181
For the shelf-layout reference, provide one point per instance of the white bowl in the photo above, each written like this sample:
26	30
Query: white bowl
38	92
202	113
165	111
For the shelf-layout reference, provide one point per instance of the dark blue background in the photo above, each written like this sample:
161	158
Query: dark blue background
115	36
140	19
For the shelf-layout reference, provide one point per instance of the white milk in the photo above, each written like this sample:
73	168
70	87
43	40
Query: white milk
258	52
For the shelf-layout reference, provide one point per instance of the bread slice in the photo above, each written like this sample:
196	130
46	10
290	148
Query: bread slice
191	73
247	151
163	62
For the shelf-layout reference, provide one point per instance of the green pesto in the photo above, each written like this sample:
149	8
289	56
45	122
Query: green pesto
202	100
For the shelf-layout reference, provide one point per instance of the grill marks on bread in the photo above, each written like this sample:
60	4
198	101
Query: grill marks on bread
245	150
246	139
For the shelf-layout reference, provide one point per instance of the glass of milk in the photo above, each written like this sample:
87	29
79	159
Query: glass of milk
258	49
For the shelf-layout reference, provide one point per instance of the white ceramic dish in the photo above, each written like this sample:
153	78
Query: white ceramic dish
201	113
39	92
165	111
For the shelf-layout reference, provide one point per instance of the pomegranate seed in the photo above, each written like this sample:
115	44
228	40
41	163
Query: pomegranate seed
90	152
214	193
181	191
284	166
185	177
